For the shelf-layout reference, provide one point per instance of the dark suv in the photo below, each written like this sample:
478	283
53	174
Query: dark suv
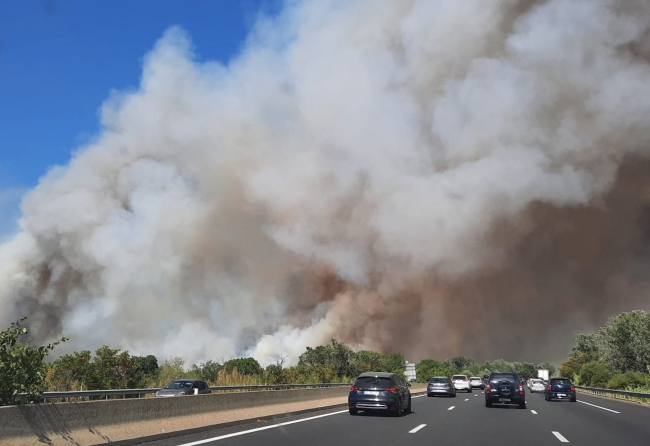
505	387
380	391
560	388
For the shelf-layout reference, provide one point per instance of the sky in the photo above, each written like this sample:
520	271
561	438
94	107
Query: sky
59	60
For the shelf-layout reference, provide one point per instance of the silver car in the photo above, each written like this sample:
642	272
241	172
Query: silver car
441	385
537	385
181	387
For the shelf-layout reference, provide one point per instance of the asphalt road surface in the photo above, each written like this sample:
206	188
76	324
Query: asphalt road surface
462	421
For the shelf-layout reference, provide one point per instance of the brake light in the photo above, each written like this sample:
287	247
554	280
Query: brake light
549	388
573	389
392	389
521	389
354	388
487	388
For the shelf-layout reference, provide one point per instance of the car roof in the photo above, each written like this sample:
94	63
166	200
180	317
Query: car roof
439	377
376	375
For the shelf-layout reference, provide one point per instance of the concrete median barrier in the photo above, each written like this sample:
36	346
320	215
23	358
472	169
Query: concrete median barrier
98	422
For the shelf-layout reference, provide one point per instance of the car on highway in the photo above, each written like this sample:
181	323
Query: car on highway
476	382
537	385
180	387
561	389
461	382
441	385
505	388
380	391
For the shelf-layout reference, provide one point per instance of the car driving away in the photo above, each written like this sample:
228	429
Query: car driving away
380	391
441	385
182	387
476	382
461	382
505	388
561	389
537	385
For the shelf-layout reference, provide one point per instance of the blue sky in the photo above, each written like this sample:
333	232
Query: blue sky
59	59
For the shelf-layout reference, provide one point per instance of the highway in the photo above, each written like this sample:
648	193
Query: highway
460	421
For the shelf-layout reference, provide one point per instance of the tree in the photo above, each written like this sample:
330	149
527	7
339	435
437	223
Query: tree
526	370
70	372
461	363
21	365
207	371
625	341
245	366
570	368
586	348
428	368
595	374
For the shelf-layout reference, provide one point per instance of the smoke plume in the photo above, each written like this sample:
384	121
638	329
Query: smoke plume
437	177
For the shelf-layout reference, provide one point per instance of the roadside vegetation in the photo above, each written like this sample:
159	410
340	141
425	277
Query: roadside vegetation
617	356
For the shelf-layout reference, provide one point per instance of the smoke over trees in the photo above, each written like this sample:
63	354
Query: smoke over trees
380	172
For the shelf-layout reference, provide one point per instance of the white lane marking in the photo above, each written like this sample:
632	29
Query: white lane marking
421	426
534	412
560	437
482	392
451	408
466	399
604	408
257	429
475	395
419	396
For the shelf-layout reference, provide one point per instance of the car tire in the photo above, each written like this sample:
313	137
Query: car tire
429	395
398	412
488	403
546	397
408	408
453	395
354	411
573	399
522	404
469	390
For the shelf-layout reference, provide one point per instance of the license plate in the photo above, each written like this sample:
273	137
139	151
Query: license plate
369	392
561	394
506	400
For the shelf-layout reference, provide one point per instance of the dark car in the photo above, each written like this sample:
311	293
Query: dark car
561	389
484	380
441	385
380	391
181	387
506	388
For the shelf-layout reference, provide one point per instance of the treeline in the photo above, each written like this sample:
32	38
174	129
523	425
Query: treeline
461	365
114	369
617	356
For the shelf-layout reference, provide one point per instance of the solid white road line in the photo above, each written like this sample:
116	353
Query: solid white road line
560	437
419	396
250	431
421	426
451	408
604	408
534	413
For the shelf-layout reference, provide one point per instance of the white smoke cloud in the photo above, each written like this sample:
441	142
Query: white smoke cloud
377	142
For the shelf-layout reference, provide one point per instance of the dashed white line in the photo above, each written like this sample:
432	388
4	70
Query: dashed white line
475	395
466	399
604	408
560	437
414	430
534	412
451	408
250	431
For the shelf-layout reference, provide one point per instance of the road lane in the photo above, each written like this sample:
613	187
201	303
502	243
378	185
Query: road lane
469	423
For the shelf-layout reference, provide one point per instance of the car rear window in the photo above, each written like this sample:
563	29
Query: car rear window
459	377
561	381
374	382
439	380
504	377
538	381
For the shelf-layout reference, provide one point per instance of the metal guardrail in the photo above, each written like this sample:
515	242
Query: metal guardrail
605	392
140	392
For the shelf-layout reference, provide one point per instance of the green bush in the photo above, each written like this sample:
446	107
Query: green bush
627	380
595	374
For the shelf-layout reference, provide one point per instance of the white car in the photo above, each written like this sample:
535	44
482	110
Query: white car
461	382
476	382
537	385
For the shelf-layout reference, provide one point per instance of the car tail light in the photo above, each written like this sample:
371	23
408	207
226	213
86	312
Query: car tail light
521	389
573	388
392	389
354	388
487	388
549	388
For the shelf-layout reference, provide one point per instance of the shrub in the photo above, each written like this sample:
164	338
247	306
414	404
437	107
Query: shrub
627	380
595	374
